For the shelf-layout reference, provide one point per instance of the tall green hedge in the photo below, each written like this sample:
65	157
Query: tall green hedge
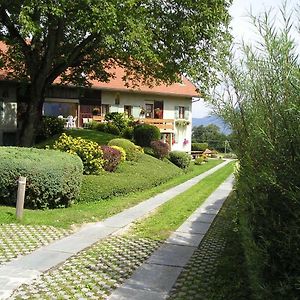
53	177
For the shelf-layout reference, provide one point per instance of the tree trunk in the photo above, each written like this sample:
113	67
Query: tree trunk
32	117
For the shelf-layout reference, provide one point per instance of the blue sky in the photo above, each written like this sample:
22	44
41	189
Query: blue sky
242	29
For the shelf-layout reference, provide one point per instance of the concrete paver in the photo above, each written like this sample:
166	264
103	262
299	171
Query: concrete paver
172	254
154	278
126	293
51	255
185	239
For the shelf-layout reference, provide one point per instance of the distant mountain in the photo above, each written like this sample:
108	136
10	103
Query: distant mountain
212	120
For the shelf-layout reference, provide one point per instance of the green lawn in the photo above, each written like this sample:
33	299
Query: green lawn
97	210
173	213
99	137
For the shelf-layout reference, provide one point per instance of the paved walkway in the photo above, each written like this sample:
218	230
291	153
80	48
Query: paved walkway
155	278
26	268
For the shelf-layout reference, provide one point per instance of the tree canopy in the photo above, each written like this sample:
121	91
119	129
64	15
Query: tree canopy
210	134
82	40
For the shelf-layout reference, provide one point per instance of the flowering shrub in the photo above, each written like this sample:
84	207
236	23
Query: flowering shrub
89	152
112	158
132	152
160	149
122	151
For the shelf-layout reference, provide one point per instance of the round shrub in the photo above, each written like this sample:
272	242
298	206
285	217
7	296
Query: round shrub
160	149
130	148
199	160
53	178
112	158
180	159
122	151
89	152
144	134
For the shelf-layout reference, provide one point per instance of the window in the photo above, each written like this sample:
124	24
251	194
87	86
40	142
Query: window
181	111
128	110
149	110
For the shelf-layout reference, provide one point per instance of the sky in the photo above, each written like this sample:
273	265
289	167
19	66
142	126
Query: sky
241	29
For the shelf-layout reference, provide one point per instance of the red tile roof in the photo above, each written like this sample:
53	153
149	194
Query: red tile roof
185	89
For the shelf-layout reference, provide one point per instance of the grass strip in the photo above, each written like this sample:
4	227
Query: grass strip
95	211
172	214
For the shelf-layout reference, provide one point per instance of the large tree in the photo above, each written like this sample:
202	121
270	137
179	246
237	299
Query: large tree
81	40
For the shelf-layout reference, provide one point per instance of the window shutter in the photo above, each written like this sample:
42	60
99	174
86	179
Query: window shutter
176	112
1	110
136	111
186	113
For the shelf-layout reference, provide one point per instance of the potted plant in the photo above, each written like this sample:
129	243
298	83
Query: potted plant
96	111
182	123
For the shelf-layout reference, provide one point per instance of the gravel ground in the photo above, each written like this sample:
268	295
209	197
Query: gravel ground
93	273
17	240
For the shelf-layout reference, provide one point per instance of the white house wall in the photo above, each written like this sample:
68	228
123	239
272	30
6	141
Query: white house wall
170	102
8	110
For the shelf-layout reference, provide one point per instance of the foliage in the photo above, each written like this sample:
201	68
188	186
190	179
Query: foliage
182	123
144	134
199	160
211	135
132	152
89	152
180	159
130	176
262	107
42	47
119	120
112	129
112	158
94	125
96	210
128	133
49	127
122	152
53	178
199	146
160	149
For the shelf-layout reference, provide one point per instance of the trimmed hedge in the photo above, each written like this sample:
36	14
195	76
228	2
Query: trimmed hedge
199	146
144	134
129	177
132	151
180	159
53	177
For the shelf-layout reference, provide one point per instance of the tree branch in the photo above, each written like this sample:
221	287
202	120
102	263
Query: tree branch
14	33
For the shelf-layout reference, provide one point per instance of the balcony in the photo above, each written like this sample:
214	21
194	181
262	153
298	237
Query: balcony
164	125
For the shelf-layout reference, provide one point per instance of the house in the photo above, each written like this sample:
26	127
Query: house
167	107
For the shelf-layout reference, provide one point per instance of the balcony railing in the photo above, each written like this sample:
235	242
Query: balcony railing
164	125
